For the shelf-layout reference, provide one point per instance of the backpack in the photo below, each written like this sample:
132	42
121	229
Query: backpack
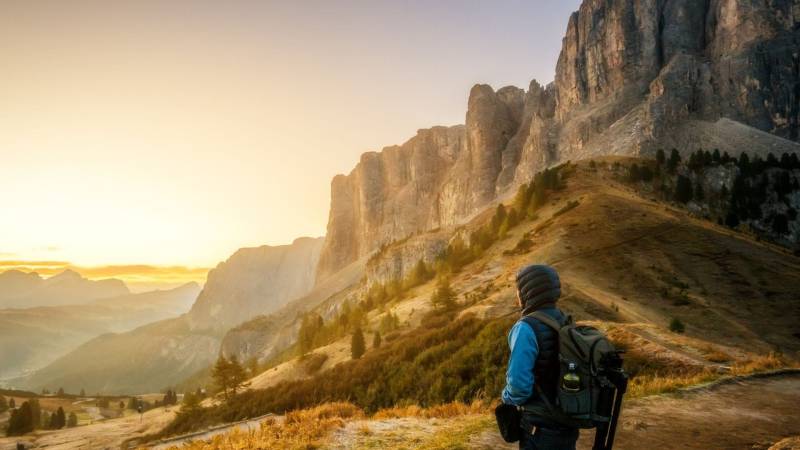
588	363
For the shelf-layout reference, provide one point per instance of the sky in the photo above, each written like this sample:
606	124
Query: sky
171	133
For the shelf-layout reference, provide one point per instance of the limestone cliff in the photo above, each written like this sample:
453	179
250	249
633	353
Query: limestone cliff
632	76
255	281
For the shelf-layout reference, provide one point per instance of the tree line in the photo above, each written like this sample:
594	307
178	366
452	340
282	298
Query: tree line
757	182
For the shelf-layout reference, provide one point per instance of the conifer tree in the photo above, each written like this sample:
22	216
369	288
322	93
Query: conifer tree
376	340
21	420
674	160
660	157
221	374
683	189
357	344
12	403
72	421
236	374
443	297
61	418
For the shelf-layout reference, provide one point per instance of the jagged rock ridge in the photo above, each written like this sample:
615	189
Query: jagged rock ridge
632	76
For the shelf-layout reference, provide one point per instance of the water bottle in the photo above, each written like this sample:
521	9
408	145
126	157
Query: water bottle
571	381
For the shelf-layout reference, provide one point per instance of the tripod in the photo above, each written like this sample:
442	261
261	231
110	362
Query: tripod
615	385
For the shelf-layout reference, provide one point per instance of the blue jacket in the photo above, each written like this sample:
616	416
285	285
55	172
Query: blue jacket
524	351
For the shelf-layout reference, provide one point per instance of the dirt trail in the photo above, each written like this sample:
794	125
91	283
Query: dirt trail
751	414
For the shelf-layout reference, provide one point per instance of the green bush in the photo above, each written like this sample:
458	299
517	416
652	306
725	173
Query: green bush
676	326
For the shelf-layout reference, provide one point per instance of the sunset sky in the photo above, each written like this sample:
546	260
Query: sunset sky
171	133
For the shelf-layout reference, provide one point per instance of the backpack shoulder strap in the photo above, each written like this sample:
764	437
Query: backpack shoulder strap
545	319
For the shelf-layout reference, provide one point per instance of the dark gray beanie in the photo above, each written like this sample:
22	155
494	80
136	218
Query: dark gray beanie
538	286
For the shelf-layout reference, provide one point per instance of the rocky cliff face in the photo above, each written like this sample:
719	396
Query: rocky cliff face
255	281
632	76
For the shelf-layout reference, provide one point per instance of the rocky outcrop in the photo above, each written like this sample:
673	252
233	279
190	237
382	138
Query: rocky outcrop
396	261
255	281
632	76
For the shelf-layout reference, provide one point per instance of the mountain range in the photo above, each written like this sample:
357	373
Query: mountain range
252	282
632	77
27	290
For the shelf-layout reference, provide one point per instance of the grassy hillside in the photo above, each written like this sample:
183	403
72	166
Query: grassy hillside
629	263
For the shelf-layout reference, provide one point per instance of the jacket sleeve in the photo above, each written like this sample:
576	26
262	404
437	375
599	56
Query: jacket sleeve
519	376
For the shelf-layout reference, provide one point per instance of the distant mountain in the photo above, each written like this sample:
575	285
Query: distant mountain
256	281
28	290
253	281
31	338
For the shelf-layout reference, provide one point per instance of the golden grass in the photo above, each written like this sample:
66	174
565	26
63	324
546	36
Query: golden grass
303	429
644	385
444	411
715	355
772	361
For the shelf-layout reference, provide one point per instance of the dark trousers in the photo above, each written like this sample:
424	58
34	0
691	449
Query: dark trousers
546	437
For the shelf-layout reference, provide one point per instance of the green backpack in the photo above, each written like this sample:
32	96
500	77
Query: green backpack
588	379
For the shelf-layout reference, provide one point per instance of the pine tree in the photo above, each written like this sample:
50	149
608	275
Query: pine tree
60	392
498	218
699	193
522	198
674	160
683	189
21	420
236	374
715	157
376	340
191	403
221	374
307	333
634	175
357	344
61	417
12	403
660	157
443	297
72	421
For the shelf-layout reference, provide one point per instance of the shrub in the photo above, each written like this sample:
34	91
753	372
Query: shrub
676	326
461	360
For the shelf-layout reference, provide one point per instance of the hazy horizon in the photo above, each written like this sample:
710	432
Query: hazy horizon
173	134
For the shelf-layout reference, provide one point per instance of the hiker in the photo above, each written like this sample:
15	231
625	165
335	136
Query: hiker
533	367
